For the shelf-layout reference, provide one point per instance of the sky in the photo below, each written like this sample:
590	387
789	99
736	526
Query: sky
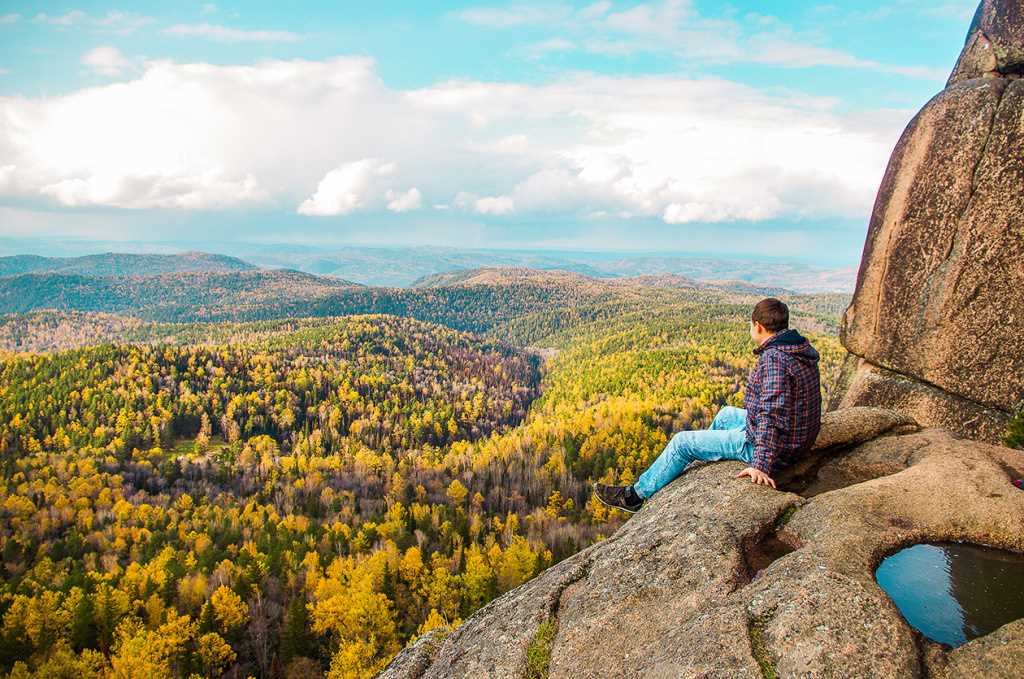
675	125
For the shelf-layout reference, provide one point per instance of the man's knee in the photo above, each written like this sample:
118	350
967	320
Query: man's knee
681	440
730	416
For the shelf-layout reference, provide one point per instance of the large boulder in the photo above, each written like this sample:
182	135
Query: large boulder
940	290
696	585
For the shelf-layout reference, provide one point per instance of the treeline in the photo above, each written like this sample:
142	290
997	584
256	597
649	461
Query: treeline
494	297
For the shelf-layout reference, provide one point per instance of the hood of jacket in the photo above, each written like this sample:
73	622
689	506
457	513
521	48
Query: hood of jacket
792	343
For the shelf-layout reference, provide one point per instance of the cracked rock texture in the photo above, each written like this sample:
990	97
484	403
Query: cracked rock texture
671	593
939	291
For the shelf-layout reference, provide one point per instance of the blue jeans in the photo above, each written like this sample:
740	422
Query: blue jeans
725	440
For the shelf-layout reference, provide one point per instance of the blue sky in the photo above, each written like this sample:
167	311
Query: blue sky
672	125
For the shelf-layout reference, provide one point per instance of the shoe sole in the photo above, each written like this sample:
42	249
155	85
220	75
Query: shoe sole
608	504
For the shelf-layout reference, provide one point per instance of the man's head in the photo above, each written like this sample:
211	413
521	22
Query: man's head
769	317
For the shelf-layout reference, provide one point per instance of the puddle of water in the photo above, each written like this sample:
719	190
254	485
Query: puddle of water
953	593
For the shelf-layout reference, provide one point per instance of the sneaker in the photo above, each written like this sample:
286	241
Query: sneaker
620	497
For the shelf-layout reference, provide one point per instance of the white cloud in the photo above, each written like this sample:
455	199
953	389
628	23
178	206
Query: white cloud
404	202
541	49
515	15
9	18
349	187
208	8
227	34
106	60
4	71
329	138
677	27
71	18
595	10
121	23
7	178
208	191
486	205
495	205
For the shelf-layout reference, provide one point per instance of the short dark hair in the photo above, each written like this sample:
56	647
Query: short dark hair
773	314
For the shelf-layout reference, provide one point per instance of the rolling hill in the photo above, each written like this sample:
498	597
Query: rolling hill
122	264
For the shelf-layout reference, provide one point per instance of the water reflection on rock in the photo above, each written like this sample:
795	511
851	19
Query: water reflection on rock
953	593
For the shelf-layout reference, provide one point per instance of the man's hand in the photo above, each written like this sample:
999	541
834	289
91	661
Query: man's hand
757	476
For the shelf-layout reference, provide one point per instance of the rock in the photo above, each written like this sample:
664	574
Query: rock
995	42
415	658
999	655
871	384
856	425
939	291
671	593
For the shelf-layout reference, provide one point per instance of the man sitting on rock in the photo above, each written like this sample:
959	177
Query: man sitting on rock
780	422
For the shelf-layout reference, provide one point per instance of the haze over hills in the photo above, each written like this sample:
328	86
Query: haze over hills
404	265
509	275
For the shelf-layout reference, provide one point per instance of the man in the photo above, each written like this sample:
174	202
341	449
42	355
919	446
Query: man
780	421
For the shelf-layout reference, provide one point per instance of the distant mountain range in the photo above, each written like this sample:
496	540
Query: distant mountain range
554	277
505	300
403	266
406	266
122	264
183	295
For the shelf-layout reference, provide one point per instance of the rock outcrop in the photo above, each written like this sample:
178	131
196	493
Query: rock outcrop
995	42
935	317
716	577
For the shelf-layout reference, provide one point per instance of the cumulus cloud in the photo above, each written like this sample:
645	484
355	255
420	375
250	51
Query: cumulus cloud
6	178
9	18
404	202
485	205
209	190
106	60
329	138
348	187
228	34
495	205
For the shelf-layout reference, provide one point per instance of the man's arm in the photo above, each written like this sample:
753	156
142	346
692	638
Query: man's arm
772	413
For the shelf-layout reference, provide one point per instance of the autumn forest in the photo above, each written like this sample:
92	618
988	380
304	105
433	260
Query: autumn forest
275	494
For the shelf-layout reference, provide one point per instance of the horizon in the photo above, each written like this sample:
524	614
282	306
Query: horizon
665	126
43	246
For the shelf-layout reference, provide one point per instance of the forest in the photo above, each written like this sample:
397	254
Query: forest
303	497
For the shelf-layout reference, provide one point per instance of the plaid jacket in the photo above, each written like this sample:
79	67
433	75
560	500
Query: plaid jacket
783	400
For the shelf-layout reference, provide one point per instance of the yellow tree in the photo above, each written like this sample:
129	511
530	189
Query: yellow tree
215	654
229	610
